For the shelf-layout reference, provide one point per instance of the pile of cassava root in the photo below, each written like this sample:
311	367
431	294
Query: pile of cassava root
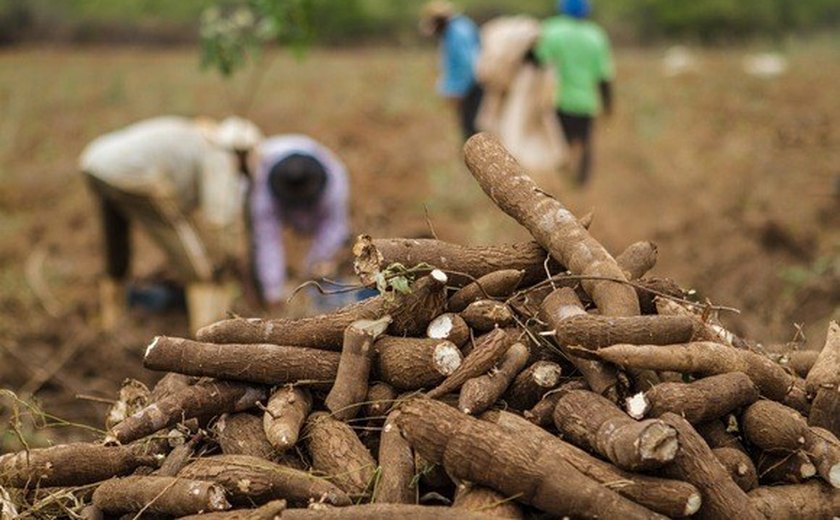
544	379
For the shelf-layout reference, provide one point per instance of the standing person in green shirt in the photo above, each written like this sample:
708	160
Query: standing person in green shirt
579	52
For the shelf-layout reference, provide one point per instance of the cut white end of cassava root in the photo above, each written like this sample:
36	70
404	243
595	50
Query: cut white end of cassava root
439	275
447	358
658	442
441	327
693	504
637	405
547	375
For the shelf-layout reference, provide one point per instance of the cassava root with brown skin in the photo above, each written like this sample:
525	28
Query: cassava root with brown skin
74	464
550	223
351	381
414	363
484	500
784	467
739	466
513	465
243	434
338	454
269	511
163	495
637	259
800	361
672	498
488	350
383	512
705	358
204	399
593	332
464	264
825	410
593	422
797	501
485	315
774	427
532	384
449	326
495	285
284	416
696	463
542	413
562	304
249	362
826	370
379	400
410	314
253	480
700	401
479	393
396	483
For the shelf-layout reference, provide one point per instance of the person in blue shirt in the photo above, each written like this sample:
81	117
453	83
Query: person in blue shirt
459	48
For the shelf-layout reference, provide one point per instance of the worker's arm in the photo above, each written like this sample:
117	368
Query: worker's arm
269	261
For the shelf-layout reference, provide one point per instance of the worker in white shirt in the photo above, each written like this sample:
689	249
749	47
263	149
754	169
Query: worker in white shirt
173	176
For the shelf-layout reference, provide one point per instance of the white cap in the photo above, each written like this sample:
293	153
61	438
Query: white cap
236	133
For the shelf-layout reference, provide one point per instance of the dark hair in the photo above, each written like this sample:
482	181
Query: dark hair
297	180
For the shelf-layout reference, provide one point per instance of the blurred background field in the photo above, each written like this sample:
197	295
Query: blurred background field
734	176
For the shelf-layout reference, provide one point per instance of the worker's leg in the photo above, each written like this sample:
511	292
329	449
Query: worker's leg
117	244
585	169
207	300
577	130
468	111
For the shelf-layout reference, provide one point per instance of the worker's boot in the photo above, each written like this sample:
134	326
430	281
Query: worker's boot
207	302
112	303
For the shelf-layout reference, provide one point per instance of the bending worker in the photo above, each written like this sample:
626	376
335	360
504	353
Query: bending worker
579	52
174	177
459	49
302	184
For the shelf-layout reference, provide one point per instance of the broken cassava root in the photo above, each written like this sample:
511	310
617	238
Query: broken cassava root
414	363
254	480
163	495
487	455
351	381
704	358
485	315
672	498
593	422
700	401
410	314
255	363
551	224
479	393
205	399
